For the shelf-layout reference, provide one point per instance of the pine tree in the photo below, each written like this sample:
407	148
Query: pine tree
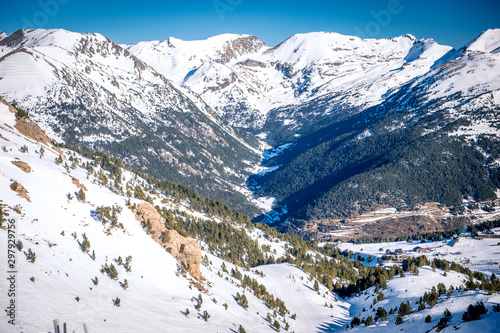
399	320
20	245
316	286
186	313
117	302
206	315
85	244
241	329
381	314
127	266
113	273
93	255
443	322
125	284
474	312
31	256
96	281
276	325
369	321
81	195
428	319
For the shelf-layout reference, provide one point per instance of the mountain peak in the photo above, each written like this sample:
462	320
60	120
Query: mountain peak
46	37
488	41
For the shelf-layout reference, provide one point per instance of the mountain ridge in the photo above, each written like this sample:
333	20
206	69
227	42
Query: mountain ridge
238	92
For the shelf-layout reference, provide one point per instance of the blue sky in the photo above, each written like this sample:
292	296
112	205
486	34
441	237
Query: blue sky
449	22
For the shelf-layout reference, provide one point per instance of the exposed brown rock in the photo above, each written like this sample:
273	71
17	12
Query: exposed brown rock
31	130
77	183
22	165
184	249
23	193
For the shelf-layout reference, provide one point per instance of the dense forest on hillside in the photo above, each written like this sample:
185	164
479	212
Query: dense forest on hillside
384	155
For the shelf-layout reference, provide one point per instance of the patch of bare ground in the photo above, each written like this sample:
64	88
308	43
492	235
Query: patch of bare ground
19	189
22	165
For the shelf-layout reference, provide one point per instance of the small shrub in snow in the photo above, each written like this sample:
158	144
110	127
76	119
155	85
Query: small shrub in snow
31	256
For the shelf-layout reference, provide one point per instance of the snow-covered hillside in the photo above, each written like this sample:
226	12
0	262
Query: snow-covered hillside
66	283
61	269
411	288
88	91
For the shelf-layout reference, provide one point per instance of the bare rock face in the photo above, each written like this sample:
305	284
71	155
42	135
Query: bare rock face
22	165
184	249
77	183
18	188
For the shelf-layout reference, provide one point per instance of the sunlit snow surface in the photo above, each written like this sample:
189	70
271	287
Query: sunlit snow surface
156	298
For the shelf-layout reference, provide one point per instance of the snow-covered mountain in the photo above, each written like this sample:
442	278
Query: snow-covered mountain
245	86
175	108
447	116
88	91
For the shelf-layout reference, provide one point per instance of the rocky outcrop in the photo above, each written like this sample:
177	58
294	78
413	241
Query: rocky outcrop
22	165
183	249
31	130
77	183
18	188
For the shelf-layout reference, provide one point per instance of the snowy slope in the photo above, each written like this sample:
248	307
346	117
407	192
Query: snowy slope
488	41
157	296
158	293
411	288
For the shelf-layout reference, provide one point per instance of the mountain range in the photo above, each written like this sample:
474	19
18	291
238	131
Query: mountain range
130	176
350	124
